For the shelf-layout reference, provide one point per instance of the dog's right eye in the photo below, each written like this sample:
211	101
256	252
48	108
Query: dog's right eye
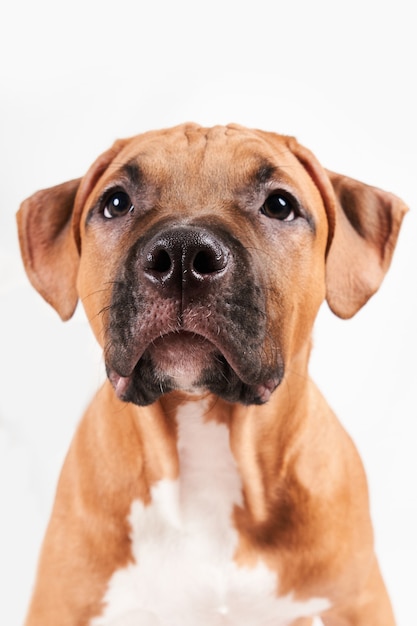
117	205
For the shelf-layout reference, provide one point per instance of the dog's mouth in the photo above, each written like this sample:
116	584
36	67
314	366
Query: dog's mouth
180	356
192	363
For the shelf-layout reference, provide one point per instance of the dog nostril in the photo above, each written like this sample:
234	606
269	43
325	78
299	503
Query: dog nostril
158	261
207	262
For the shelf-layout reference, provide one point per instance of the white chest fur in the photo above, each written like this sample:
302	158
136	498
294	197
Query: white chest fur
183	545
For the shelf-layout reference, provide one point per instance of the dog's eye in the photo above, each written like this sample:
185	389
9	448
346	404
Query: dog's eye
279	207
117	205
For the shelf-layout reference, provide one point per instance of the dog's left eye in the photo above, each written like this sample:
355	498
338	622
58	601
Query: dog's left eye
279	207
117	205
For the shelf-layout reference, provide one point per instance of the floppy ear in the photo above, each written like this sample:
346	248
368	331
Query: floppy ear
48	227
364	224
368	221
47	244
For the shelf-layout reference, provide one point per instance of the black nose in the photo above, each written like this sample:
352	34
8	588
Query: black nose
185	256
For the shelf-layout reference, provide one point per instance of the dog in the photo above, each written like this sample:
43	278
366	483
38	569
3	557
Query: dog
209	482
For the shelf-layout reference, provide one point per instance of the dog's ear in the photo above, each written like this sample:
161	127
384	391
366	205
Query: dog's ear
364	224
49	235
368	221
48	247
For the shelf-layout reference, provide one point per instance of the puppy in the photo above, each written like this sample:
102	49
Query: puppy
209	482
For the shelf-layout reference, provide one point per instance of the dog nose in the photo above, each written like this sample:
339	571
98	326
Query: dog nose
185	256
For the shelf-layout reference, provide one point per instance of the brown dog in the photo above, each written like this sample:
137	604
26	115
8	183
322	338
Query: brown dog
209	482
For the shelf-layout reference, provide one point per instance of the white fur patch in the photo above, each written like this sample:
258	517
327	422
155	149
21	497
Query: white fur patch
183	545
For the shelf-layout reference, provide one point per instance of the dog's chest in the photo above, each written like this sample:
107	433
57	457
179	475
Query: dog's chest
183	545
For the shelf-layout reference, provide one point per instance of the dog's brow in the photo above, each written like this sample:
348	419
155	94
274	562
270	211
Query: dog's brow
264	172
132	171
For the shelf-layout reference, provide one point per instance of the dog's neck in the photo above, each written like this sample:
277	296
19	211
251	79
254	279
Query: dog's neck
263	440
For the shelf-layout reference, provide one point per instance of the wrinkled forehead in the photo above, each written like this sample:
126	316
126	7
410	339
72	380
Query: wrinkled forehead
223	160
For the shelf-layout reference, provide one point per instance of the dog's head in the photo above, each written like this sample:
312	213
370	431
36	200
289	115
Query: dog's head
202	256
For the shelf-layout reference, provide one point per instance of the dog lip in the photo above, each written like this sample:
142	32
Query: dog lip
260	391
120	376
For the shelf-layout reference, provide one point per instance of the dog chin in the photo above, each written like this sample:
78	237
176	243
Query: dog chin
182	358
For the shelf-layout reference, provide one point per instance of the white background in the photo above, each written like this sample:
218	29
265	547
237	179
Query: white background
73	77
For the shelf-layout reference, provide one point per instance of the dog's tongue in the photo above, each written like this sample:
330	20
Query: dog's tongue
120	383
